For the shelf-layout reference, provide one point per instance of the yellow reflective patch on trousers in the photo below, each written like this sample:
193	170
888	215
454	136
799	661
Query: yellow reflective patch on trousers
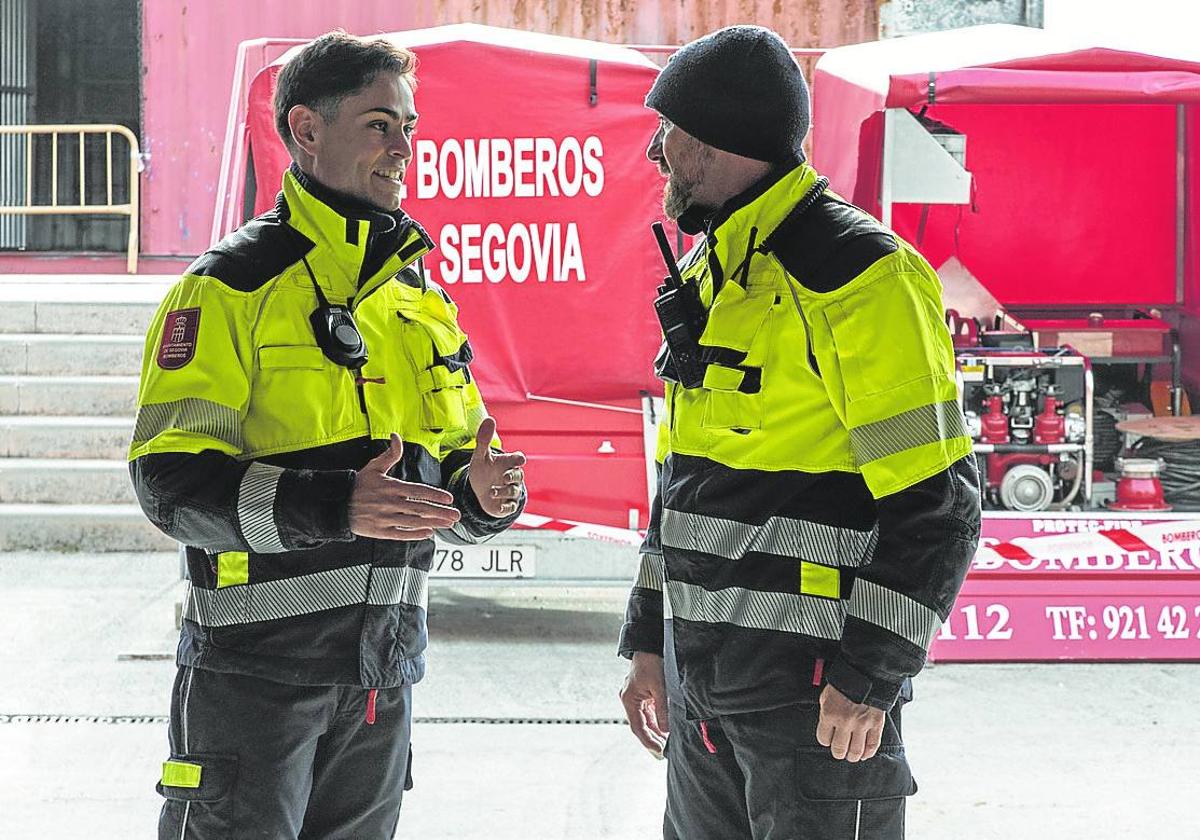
233	567
823	581
182	774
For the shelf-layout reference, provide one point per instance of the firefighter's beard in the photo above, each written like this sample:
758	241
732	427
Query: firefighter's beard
684	178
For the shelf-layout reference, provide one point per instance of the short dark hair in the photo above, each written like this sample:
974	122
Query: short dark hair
333	67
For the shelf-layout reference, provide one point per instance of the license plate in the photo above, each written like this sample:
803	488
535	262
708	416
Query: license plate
484	561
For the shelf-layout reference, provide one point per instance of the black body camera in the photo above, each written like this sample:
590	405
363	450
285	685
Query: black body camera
338	335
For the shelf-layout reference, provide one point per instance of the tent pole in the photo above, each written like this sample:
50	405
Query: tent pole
889	136
1181	188
652	410
1181	239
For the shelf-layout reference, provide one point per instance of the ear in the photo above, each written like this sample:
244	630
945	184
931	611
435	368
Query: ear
306	126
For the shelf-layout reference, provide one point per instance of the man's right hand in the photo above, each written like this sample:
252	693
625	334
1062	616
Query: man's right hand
387	508
644	696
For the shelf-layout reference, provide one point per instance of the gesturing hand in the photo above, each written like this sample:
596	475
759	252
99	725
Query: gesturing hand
495	477
387	508
851	730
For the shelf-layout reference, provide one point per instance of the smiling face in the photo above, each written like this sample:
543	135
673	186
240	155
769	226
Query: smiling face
363	148
685	162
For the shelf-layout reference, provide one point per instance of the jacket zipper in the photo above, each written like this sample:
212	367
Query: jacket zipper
359	379
808	347
412	363
362	397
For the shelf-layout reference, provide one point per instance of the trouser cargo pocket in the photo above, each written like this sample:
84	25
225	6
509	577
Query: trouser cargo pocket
862	800
198	789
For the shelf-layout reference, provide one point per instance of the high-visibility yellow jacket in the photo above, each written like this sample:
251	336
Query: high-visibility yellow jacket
247	439
817	497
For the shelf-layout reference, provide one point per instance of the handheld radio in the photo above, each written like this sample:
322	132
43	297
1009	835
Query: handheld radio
682	317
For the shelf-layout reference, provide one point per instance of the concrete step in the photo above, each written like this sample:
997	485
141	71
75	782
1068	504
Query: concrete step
109	306
65	437
84	528
108	317
62	481
104	396
43	354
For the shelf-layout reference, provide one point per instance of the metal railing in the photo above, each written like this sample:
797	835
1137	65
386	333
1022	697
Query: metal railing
82	206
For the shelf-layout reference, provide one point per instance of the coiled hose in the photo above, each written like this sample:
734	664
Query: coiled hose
1181	472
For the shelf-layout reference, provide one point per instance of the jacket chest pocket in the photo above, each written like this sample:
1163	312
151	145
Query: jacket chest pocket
736	345
439	353
443	398
301	397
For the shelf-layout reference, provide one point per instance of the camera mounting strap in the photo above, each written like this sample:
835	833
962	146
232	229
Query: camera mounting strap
336	333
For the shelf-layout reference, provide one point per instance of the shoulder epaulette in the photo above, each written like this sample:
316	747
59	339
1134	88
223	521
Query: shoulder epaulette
830	244
259	250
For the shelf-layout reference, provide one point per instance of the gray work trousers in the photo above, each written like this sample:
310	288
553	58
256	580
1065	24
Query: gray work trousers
763	776
285	762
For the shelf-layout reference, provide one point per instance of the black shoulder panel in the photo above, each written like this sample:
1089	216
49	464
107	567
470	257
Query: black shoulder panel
253	254
830	244
409	277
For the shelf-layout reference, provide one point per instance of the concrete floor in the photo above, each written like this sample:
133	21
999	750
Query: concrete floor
1000	751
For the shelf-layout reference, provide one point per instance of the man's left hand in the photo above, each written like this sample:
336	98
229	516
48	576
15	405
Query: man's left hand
852	731
497	478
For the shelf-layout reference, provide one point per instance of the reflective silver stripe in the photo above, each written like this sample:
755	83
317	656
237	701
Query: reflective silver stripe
895	612
927	424
183	707
785	537
276	599
183	720
788	613
458	534
650	572
256	508
402	585
869	552
192	415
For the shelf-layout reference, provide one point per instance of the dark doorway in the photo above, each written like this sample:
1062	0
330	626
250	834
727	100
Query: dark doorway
85	64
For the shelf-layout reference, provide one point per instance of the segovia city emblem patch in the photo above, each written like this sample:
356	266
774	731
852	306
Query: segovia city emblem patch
178	344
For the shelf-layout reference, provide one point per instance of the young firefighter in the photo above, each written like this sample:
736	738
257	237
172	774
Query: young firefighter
818	502
307	421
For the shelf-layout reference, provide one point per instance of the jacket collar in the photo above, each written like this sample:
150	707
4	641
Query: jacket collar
755	213
346	231
705	219
344	205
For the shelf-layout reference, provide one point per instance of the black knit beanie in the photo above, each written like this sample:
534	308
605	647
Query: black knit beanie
737	89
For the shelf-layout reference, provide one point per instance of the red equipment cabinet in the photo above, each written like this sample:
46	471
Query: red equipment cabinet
1054	229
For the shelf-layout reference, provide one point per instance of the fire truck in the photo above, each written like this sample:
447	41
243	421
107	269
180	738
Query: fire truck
1048	182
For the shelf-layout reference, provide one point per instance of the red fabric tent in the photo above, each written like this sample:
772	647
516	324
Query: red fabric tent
530	174
1072	150
1076	198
